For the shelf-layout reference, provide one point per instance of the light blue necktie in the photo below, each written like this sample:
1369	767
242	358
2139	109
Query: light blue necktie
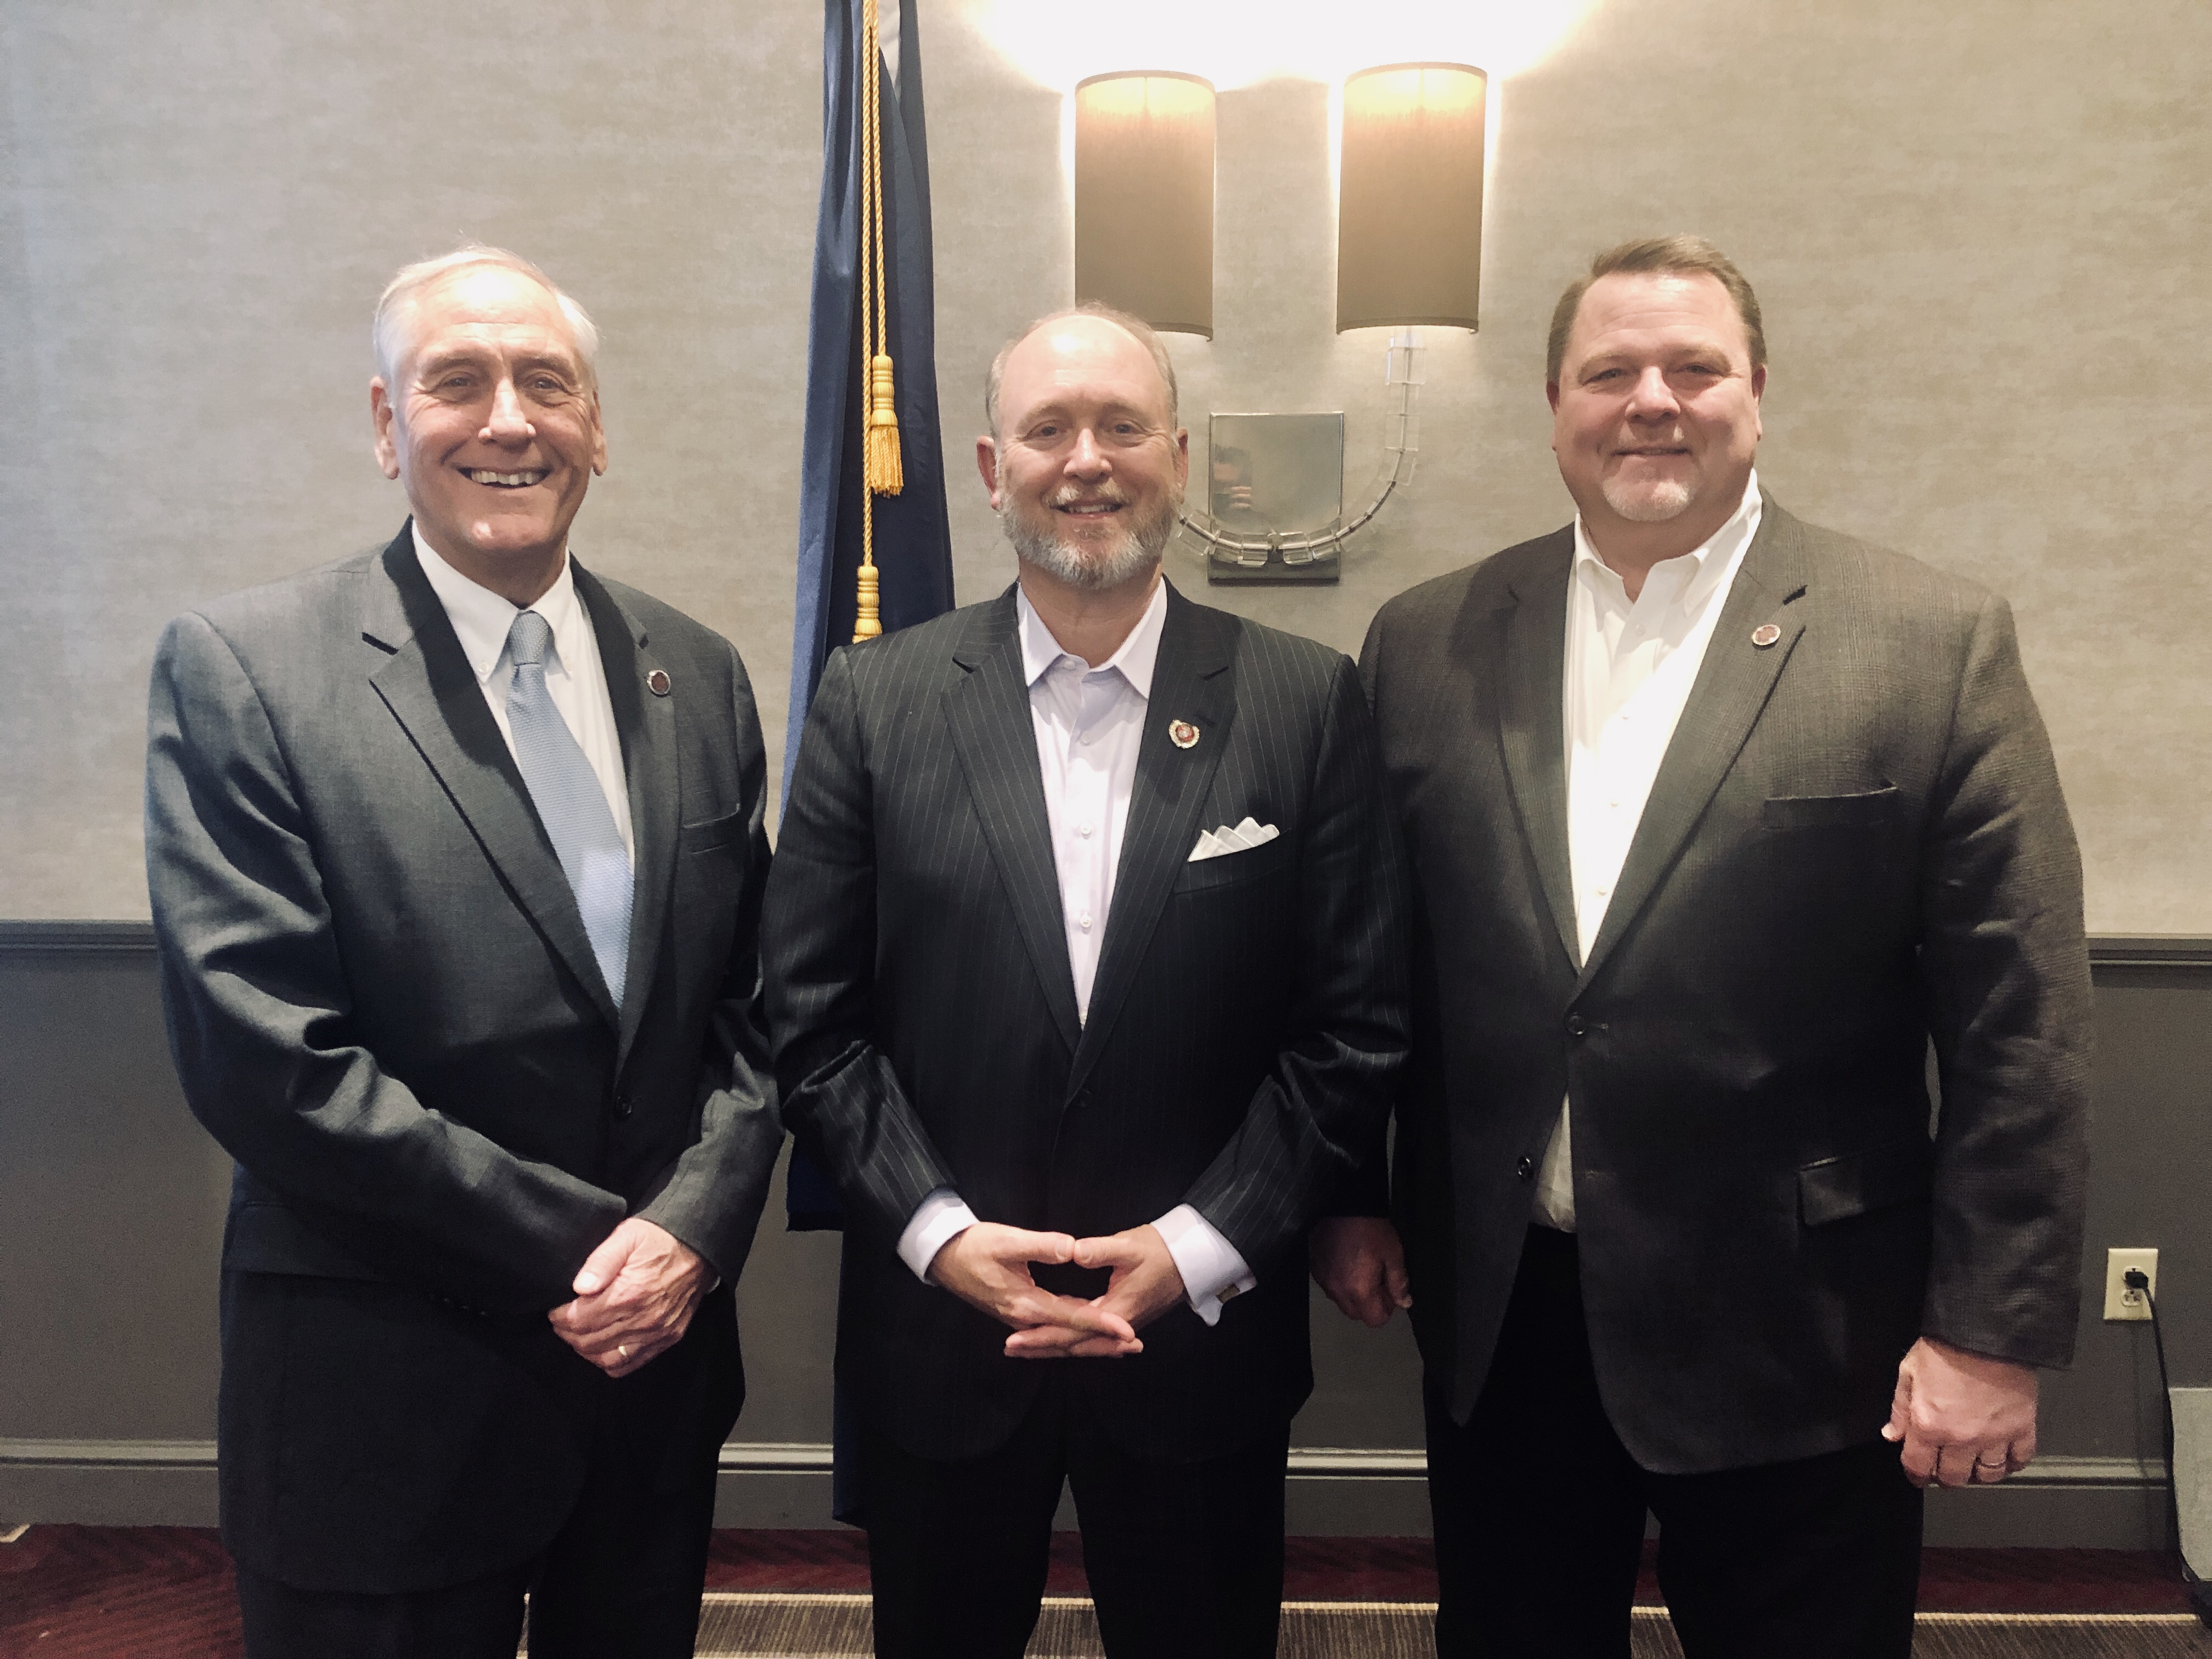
570	802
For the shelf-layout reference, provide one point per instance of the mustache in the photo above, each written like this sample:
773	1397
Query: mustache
1072	495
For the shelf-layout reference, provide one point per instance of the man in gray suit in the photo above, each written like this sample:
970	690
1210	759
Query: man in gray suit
1717	821
457	857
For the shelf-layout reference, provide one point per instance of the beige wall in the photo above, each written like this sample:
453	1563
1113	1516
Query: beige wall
1980	231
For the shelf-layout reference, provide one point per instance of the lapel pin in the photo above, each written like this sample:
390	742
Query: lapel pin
1764	635
657	682
1181	734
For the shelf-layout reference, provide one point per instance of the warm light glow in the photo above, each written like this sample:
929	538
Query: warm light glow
1426	88
1236	46
1155	97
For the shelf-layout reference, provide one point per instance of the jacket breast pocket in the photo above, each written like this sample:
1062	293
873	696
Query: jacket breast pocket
1837	1188
712	834
1230	869
1871	808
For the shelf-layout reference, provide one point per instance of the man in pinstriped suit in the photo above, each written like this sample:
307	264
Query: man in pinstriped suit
1085	970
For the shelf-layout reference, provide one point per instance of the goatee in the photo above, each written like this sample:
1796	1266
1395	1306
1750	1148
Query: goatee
1649	503
1093	570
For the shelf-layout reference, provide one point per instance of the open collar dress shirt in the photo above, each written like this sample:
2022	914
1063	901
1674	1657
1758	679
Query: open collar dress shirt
1089	721
574	676
1628	668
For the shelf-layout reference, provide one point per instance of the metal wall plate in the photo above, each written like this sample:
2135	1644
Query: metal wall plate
1274	475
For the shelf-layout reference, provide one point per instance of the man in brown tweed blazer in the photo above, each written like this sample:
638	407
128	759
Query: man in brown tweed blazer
1719	822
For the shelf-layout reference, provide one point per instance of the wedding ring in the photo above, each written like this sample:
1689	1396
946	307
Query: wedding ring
623	1349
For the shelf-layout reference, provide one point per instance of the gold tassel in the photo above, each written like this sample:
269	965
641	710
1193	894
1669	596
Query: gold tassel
886	475
868	623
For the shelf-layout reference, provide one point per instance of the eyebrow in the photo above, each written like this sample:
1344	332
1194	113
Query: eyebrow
1709	347
1059	408
471	357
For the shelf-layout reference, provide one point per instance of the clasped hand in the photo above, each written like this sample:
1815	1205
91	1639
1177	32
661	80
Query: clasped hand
635	1298
988	1267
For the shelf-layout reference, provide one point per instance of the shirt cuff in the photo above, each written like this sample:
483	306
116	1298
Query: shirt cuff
936	1220
1213	1271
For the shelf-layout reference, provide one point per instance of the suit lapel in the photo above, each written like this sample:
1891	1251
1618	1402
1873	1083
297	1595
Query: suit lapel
1532	723
988	711
424	678
1190	683
647	725
1732	686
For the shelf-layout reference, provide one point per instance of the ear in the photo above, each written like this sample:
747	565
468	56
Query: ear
379	415
1552	395
598	438
1758	391
1182	459
986	462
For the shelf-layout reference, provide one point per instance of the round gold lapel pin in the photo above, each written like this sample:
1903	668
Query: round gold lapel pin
1764	635
1181	734
657	682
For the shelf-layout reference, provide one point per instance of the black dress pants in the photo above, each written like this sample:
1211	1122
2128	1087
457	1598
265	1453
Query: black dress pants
1184	1559
1539	1512
623	1576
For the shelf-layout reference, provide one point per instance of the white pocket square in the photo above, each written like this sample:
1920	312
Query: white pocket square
1242	839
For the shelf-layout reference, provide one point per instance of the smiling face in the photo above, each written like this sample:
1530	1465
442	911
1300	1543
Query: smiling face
491	420
1656	410
1087	468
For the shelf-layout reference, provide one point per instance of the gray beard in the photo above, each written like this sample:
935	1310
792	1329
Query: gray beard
1651	504
1134	556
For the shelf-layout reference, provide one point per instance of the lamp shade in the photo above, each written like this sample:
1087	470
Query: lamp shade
1409	205
1144	197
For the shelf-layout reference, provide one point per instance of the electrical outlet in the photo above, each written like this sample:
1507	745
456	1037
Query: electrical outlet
2120	1302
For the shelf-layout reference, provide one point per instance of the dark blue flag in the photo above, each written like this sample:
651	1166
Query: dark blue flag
913	541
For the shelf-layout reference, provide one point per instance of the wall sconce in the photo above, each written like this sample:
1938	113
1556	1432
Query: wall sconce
1409	202
1409	251
1144	197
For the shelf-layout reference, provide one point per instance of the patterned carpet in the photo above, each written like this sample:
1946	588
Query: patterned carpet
107	1592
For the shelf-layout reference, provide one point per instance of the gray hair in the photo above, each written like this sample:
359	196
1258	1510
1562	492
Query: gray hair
1136	327
386	332
1675	255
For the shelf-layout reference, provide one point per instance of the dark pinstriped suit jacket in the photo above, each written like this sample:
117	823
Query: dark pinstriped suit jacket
1855	844
1245	1027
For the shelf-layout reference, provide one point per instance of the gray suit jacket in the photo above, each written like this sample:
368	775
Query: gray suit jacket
1245	1026
383	1003
1855	845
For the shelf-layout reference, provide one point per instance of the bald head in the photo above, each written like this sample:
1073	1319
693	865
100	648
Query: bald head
1067	325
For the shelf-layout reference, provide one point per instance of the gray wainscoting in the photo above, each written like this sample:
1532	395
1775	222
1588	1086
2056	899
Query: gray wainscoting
111	1215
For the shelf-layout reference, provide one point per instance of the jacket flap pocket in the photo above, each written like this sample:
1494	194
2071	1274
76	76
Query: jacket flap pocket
268	1238
715	832
1837	1188
1822	811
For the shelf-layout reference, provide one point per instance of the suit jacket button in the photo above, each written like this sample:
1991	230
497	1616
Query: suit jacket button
1575	1026
1525	1168
622	1105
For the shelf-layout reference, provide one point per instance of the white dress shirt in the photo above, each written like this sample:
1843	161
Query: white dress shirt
1089	722
1629	669
574	674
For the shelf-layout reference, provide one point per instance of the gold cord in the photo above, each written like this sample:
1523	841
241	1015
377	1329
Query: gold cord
882	473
